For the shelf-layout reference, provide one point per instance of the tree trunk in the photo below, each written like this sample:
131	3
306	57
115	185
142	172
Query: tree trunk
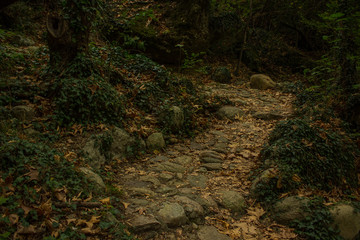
67	38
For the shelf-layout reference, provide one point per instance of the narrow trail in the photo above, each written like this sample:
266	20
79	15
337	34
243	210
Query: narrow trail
178	193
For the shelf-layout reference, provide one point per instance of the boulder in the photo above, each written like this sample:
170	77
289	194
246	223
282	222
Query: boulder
347	219
170	167
23	113
233	201
268	116
221	75
172	214
290	209
120	142
193	210
183	160
93	178
264	177
211	233
176	119
155	141
261	82
197	181
229	112
212	166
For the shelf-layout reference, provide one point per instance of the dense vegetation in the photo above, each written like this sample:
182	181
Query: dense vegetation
95	64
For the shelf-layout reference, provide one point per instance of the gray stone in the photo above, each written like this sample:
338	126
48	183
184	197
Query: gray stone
144	223
211	160
220	147
289	209
264	177
93	178
261	82
229	112
212	166
166	177
183	160
23	113
218	133
151	179
166	190
121	142
268	116
197	181
170	167
172	214
139	202
221	75
233	201
31	132
96	159
141	192
211	155
222	139
211	233
347	219
206	201
159	159
193	210
176	118
196	146
155	141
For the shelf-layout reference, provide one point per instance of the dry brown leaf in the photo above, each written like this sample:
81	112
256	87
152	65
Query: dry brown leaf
25	208
105	200
13	218
26	230
90	231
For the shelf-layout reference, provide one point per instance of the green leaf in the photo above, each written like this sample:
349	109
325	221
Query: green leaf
3	200
336	15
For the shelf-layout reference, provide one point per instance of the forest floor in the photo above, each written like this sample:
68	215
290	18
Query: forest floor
180	175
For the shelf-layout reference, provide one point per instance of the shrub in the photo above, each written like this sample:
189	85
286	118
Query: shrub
308	155
87	101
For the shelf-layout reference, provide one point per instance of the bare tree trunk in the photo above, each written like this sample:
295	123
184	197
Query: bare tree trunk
67	40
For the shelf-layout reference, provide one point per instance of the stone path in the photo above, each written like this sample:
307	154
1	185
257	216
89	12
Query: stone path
199	189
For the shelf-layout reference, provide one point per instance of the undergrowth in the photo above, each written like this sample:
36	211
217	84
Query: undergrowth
308	156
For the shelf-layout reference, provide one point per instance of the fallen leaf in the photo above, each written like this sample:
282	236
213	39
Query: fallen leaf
125	204
13	218
105	200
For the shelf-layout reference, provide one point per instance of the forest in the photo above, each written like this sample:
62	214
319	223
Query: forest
180	120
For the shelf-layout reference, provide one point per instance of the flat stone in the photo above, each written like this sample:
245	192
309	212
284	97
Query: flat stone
212	166
211	233
218	133
196	146
211	160
144	223
211	154
233	201
197	181
229	112
166	189
166	177
170	167
23	112
142	191
222	139
268	116
150	179
221	150
139	202
173	215
206	201
159	159
221	145
183	160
